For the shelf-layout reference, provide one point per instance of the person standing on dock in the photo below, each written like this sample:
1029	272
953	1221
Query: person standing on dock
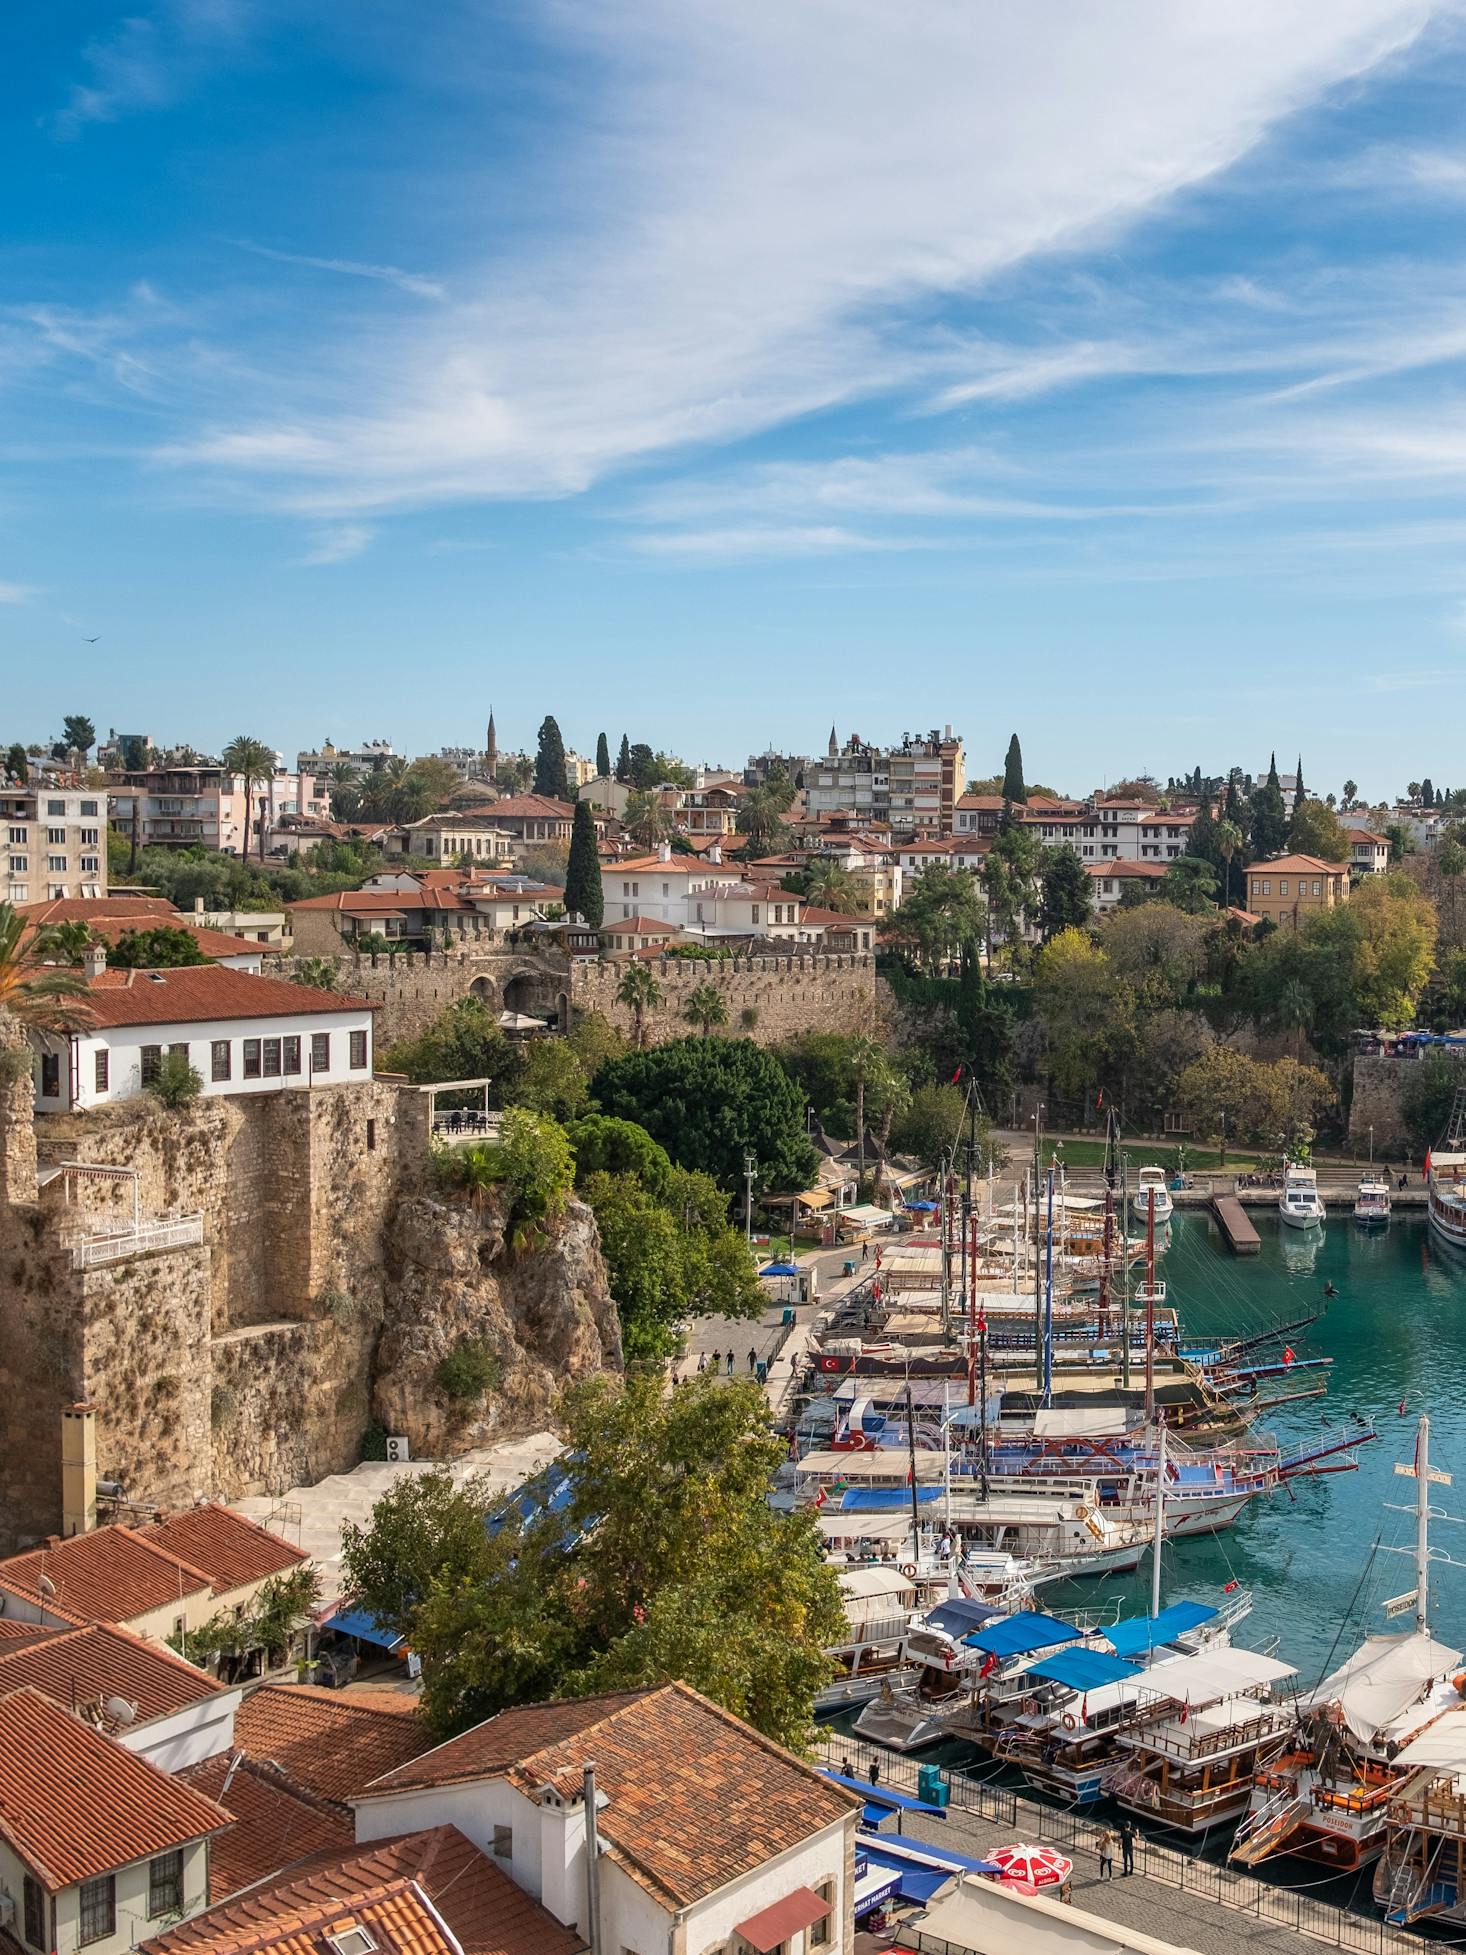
1127	1844
1104	1846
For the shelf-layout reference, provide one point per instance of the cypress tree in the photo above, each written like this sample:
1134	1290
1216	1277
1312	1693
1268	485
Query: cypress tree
1269	817
1013	788
549	765
1300	792
583	894
623	759
603	757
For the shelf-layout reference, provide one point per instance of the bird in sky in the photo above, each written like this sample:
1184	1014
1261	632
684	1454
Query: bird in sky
91	641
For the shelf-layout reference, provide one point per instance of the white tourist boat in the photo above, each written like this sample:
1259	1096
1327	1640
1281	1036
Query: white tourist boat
1445	1179
1329	1792
1299	1203
1151	1196
1372	1200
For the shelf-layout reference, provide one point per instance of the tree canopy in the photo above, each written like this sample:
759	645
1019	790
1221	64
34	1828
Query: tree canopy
584	896
1316	830
463	1042
1013	788
668	1562
708	1101
1067	892
1269	816
549	764
160	947
941	916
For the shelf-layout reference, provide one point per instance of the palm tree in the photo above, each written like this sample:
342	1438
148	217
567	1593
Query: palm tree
44	997
829	885
639	991
65	943
865	1057
705	1008
1228	840
646	820
254	762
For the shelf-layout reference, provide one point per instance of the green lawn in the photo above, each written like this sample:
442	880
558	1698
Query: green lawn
1143	1154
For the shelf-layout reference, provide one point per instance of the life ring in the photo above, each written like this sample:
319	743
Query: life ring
908	1569
1070	1722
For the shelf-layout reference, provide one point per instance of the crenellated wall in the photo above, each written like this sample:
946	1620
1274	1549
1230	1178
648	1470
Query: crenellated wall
414	986
765	998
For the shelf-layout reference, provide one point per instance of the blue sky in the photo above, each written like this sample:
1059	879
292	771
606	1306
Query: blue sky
714	372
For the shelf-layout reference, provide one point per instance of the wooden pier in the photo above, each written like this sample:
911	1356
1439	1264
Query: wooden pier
1242	1239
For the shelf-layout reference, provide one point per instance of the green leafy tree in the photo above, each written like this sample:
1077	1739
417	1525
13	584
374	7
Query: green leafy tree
829	885
1158	952
1082	1009
1316	830
78	735
551	1081
934	1125
463	1042
531	1163
623	760
549	765
317	973
640	992
705	1009
941	918
33	989
1226	1093
619	1147
643	766
646	820
1269	817
423	1531
176	1083
761	819
158	948
1013	788
708	1101
603	757
254	762
1067	897
1351	794
1428	1093
676	1567
584	896
1189	884
17	765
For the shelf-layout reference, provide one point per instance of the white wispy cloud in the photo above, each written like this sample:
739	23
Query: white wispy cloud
149	60
16	593
339	544
766	540
414	282
771	206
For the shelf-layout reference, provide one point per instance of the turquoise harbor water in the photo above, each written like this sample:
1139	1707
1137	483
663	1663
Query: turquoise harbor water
1396	1330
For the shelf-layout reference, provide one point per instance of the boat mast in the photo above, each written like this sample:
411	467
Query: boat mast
1048	1321
1160	1526
1150	1302
1422	1522
946	1186
911	1469
1038	1306
1124	1268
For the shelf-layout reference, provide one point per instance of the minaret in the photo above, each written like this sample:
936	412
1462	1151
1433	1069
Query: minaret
491	751
834	745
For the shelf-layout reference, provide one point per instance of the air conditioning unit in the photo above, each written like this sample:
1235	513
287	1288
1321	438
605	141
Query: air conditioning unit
398	1450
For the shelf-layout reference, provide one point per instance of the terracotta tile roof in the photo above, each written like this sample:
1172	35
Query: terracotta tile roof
92	909
666	1758
331	1742
230	1548
1368	835
1292	864
275	1823
638	926
213	943
396	1917
1124	866
108	1575
388	902
73	1803
13	1633
83	1666
203	992
531	805
486	1912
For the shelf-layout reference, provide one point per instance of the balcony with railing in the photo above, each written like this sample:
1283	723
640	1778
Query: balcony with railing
114	1245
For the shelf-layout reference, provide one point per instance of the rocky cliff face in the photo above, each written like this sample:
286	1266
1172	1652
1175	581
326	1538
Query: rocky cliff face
544	1316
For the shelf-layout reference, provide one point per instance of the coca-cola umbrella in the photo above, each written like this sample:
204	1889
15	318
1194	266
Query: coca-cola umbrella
1032	1867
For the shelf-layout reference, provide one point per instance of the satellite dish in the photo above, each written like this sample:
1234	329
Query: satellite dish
120	1711
44	1585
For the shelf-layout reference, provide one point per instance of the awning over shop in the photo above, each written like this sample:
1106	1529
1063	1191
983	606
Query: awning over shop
364	1628
867	1217
923	1869
883	1796
872	1886
767	1930
815	1198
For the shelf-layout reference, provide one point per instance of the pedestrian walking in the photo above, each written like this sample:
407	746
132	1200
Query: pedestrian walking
847	1770
865	1247
873	1776
752	1357
702	1362
1104	1846
730	1364
1127	1844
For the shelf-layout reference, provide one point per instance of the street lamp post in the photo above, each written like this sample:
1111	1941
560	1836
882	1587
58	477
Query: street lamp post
750	1167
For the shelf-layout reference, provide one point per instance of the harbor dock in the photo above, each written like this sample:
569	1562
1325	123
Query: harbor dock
1241	1238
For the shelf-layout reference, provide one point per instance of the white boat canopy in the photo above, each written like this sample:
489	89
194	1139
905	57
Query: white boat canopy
873	1594
1386	1677
890	1466
1214	1675
1443	1745
864	1527
1079	1422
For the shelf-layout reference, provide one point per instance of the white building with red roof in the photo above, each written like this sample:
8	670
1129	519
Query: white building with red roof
240	1032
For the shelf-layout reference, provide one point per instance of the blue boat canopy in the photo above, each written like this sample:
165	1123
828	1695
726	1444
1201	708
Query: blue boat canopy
922	1871
883	1797
365	1628
1084	1669
884	1500
1139	1633
958	1617
1016	1635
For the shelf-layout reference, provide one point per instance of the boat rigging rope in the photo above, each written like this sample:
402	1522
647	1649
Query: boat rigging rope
1348	1613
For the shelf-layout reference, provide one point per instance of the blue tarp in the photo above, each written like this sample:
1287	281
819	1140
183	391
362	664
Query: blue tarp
778	1269
365	1628
1139	1633
923	1869
883	1796
546	1492
1084	1669
958	1616
884	1500
1016	1635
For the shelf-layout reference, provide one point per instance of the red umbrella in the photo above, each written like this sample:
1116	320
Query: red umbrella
1032	1866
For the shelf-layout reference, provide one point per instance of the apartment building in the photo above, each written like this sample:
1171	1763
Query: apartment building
55	842
204	806
913	787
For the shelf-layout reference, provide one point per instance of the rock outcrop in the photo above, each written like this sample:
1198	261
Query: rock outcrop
543	1316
